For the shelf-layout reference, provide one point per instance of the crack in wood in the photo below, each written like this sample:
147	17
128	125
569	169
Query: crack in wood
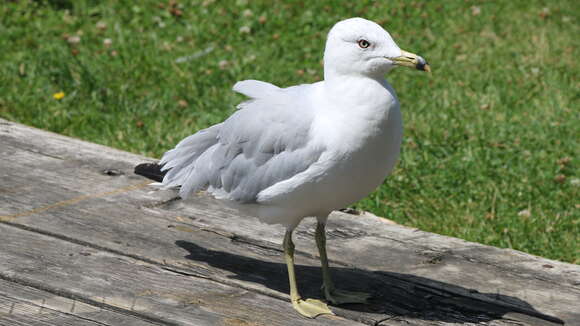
73	201
72	296
39	152
43	309
336	233
162	265
162	203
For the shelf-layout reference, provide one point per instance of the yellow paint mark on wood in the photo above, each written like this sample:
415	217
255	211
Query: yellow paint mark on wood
184	228
239	322
125	303
68	202
180	219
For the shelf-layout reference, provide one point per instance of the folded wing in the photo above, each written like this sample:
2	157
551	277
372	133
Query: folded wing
265	142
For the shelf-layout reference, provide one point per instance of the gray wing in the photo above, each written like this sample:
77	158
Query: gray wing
266	141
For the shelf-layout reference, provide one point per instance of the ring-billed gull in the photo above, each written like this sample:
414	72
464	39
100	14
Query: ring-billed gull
306	150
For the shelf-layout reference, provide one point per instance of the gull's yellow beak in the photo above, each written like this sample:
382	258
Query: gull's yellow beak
408	59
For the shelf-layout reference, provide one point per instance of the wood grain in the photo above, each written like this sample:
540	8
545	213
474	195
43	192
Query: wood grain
146	291
25	305
83	198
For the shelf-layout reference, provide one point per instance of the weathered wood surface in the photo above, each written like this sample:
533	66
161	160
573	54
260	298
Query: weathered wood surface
79	229
25	305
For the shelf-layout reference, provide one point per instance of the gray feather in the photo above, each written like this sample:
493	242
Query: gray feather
261	144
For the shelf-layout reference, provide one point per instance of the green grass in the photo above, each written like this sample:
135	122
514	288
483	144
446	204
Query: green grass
491	137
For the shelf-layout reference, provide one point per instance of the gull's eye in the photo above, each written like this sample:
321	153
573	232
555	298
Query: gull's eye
364	44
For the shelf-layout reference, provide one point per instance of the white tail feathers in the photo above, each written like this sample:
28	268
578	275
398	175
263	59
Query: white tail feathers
181	162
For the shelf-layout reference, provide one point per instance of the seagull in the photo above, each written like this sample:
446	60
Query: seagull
303	151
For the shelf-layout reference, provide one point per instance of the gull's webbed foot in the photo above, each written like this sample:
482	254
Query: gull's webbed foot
311	308
337	297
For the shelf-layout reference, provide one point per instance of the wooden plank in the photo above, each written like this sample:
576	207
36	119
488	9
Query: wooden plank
24	305
15	312
146	291
143	235
419	277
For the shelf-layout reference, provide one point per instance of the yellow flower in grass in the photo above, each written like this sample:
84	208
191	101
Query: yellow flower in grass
58	96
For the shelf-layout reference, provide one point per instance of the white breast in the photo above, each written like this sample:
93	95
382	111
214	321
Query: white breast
362	131
365	152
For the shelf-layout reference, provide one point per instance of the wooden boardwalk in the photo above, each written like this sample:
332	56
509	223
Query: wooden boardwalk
84	241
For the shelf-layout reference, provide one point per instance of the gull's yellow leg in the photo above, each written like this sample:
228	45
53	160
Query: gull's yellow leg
330	292
309	308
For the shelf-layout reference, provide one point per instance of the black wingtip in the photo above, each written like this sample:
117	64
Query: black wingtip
150	171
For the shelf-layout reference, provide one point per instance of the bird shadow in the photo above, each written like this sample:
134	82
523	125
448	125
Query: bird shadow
395	295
